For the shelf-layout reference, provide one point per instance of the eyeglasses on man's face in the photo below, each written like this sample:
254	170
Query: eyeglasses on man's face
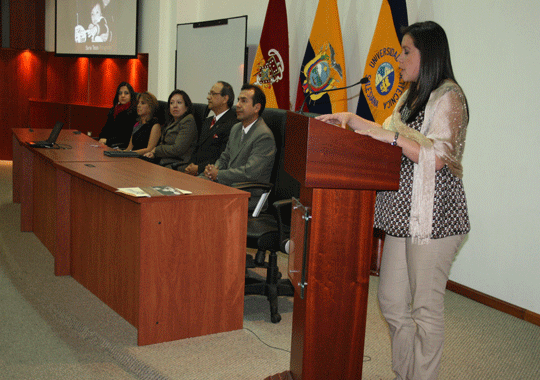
212	93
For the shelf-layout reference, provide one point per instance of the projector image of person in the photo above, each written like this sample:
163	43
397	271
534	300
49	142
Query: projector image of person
98	30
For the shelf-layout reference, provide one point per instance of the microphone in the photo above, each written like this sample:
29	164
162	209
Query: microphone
364	80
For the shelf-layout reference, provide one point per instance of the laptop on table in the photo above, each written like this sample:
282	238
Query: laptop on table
49	143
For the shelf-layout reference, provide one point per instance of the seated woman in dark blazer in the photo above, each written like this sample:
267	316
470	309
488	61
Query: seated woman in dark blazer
121	118
178	135
146	132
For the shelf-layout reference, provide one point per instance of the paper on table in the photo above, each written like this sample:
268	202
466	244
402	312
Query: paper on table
154	191
168	190
133	191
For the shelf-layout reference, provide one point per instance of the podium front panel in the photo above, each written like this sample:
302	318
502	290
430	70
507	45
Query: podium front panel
299	246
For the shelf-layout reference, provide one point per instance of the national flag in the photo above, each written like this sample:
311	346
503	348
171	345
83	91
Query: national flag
323	67
385	86
271	65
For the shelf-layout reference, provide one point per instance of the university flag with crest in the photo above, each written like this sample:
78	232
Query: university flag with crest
271	65
379	96
323	67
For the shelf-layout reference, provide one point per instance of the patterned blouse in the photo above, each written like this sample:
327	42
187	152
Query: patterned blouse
450	216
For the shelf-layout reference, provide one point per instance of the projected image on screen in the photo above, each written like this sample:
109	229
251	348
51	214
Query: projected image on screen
98	30
96	27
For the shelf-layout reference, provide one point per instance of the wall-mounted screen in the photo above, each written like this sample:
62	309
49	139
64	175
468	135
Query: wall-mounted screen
96	27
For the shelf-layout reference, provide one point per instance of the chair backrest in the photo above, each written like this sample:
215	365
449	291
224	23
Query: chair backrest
162	113
285	186
200	112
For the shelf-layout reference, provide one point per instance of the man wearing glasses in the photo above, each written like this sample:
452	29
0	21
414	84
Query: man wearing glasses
215	129
250	152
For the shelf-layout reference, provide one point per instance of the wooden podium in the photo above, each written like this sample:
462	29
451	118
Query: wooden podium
331	243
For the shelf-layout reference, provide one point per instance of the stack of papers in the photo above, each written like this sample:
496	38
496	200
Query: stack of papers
154	191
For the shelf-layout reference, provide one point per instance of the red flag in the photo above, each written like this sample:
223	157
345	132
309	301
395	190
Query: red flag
271	65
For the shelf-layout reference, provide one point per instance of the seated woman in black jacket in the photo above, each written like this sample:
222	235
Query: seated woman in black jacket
178	135
121	118
146	132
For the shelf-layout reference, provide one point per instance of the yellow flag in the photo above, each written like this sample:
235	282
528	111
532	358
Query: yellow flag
385	86
323	67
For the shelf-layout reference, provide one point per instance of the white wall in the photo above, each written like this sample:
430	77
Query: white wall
494	51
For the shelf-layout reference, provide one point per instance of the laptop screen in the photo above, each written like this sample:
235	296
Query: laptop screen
55	132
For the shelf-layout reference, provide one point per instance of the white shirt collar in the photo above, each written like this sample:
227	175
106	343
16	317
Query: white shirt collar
246	129
221	114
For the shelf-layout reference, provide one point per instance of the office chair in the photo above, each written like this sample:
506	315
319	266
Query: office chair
268	231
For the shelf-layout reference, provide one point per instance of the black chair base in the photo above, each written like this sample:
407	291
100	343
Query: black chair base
272	286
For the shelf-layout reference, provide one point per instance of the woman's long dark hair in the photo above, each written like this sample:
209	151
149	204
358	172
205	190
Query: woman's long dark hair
187	101
131	91
435	64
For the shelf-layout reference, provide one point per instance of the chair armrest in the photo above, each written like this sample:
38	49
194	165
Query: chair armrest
265	187
281	203
253	185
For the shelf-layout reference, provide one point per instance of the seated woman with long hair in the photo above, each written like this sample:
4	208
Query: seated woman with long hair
178	135
146	132
121	118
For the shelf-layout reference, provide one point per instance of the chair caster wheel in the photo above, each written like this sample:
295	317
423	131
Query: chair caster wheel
276	318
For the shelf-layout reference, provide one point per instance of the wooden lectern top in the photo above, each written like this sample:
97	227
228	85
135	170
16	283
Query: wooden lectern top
321	155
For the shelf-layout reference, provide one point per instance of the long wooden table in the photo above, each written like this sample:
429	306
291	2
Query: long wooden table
42	189
173	266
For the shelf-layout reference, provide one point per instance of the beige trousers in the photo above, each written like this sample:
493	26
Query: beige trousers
411	296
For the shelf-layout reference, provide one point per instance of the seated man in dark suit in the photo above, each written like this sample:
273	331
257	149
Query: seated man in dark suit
250	152
215	130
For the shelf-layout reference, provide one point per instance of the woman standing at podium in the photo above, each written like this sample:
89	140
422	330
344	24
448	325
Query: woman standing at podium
426	219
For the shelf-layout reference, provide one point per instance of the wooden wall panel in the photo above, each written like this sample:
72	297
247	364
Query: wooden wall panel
78	92
138	69
23	76
67	79
46	114
27	24
106	73
88	118
28	81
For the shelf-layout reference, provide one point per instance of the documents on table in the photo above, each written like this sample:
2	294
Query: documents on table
153	191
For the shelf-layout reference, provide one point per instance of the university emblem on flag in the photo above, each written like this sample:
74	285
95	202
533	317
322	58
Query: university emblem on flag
384	79
379	96
384	68
271	71
321	72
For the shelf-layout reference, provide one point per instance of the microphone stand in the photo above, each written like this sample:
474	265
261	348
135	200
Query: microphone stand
364	80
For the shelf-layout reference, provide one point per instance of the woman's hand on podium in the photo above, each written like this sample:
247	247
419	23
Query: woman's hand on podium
340	119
